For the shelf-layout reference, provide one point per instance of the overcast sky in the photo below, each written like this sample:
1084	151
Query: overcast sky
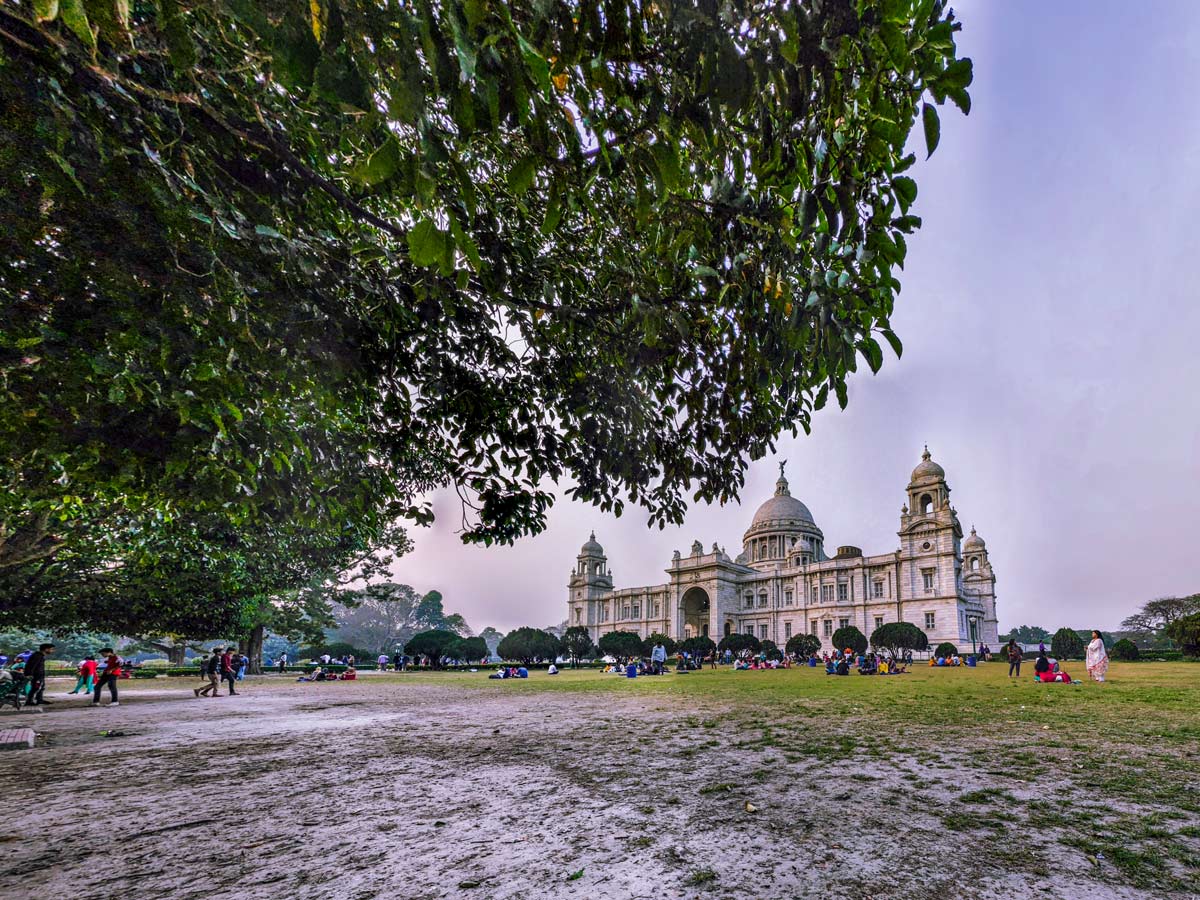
1049	319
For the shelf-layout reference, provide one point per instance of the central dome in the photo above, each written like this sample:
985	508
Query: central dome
783	507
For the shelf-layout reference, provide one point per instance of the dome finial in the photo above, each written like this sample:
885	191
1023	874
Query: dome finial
781	486
592	536
926	454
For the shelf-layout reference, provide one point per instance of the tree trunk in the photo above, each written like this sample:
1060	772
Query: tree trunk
177	655
252	648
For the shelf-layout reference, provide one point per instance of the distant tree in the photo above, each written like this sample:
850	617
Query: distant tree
1027	634
1185	632
70	646
467	649
699	646
850	637
456	623
384	616
1066	644
621	644
803	645
668	644
1125	649
432	644
529	645
771	650
945	650
899	637
577	644
737	643
492	637
1156	615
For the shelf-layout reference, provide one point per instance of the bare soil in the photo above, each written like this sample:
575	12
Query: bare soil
399	787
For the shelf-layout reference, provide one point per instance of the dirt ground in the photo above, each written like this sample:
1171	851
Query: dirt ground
410	788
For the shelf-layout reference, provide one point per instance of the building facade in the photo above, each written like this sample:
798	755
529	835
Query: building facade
784	582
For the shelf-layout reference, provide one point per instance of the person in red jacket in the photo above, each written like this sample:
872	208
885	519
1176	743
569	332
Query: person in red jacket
228	672
87	675
112	671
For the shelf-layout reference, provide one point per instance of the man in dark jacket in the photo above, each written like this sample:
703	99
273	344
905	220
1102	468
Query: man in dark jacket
35	672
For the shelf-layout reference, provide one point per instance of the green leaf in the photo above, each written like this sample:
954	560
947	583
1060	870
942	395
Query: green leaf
466	244
958	74
553	210
45	10
379	166
668	165
426	243
906	191
932	126
873	354
74	16
520	176
893	39
897	347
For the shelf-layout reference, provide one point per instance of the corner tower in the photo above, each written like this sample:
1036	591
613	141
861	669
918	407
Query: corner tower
590	585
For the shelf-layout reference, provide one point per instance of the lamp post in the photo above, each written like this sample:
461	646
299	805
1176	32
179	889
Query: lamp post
973	622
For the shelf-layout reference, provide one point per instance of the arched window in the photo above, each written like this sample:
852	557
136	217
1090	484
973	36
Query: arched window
926	505
975	564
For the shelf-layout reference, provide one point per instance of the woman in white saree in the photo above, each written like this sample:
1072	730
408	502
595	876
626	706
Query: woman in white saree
1097	658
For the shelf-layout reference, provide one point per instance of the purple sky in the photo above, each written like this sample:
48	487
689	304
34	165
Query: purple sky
1049	322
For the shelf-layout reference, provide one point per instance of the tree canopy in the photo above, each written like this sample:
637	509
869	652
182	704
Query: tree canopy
529	645
434	645
803	645
669	644
1185	632
302	261
1066	644
899	637
699	646
621	644
737	643
577	643
851	637
1158	614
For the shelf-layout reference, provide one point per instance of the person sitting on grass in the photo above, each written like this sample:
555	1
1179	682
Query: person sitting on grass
1048	671
553	670
317	674
843	666
830	666
351	674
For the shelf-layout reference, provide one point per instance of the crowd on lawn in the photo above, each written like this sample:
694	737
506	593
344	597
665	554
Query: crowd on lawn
1048	669
25	676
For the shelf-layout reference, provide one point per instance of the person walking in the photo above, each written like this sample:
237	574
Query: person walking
240	662
35	674
85	675
382	662
227	671
282	663
658	656
211	674
112	671
1014	658
1097	657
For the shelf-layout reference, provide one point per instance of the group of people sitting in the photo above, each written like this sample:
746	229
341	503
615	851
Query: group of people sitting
953	660
517	672
867	664
761	662
320	674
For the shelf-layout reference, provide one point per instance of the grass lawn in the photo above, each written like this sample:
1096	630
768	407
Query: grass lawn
715	784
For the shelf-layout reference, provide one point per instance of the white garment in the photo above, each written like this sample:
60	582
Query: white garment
1095	653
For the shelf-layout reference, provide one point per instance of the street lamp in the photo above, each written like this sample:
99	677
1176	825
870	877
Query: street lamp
973	622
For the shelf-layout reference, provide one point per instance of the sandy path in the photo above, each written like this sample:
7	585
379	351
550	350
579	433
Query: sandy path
403	789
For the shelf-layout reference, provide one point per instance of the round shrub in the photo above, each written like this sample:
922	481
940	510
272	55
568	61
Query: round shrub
1125	649
945	649
1066	644
850	637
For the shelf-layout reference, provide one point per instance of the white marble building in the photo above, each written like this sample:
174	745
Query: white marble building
784	583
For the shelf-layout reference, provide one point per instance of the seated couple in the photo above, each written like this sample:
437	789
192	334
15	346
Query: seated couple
1047	669
840	667
510	672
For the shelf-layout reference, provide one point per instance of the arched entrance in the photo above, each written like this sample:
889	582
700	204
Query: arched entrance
695	606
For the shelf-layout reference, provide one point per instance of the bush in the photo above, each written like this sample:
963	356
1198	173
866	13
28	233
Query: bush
698	646
850	637
1185	632
899	637
1125	649
1066	644
803	645
771	650
945	649
735	643
621	644
142	673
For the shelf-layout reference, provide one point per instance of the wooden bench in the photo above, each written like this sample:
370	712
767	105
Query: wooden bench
17	739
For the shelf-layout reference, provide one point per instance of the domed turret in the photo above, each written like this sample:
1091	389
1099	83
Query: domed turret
974	541
591	548
927	469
